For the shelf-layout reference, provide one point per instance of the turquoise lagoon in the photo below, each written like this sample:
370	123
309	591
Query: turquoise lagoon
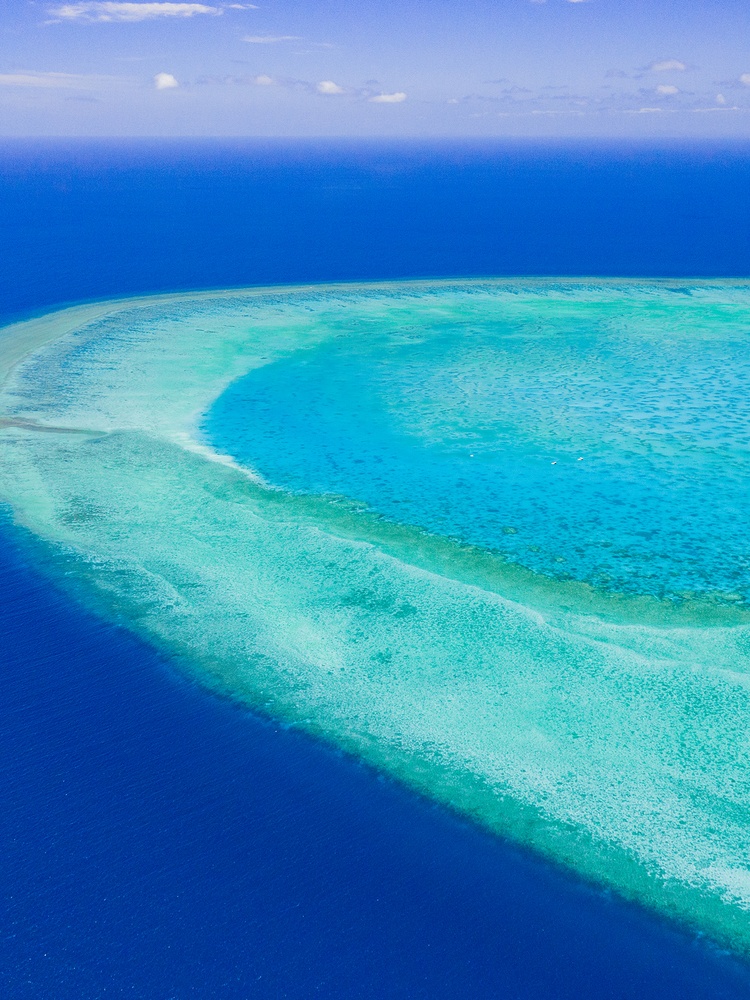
492	537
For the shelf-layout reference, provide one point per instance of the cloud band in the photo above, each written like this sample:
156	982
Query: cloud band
109	10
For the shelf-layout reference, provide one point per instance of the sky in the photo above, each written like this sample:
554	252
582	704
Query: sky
492	68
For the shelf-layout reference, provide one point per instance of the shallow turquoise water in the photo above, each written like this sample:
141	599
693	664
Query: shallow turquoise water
608	446
361	509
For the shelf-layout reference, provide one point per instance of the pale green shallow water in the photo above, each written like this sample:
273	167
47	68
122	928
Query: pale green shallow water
607	729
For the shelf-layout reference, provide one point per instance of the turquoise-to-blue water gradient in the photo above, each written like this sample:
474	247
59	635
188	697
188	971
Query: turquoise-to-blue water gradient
159	841
524	434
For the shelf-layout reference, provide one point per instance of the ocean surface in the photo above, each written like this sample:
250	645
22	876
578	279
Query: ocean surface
487	536
83	220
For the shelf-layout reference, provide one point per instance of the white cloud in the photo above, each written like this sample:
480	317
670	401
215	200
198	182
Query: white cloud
270	39
667	89
165	81
720	99
667	66
55	81
745	78
329	87
264	81
734	107
108	10
396	98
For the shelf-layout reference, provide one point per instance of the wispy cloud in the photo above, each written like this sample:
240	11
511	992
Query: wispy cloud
396	98
270	39
329	87
165	81
50	81
109	10
667	90
745	79
733	109
667	66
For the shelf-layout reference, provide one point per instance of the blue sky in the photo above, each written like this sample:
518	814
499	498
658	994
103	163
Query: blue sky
360	67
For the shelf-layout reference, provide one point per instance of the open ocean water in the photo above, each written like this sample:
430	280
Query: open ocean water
160	841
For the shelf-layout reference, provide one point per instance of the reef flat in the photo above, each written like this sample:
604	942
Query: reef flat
488	536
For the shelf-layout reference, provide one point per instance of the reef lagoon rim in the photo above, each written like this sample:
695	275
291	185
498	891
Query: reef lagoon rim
554	638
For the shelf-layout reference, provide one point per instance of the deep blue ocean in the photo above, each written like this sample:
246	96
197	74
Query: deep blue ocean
158	842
